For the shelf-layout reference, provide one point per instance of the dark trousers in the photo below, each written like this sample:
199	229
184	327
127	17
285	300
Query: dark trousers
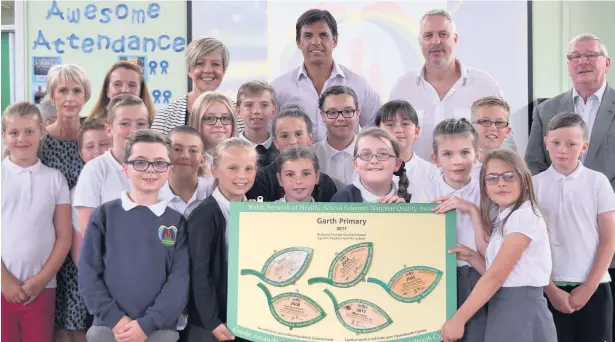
593	323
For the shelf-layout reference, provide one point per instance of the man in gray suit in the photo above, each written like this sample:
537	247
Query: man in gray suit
592	98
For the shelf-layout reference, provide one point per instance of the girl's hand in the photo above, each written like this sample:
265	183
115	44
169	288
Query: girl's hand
447	203
560	301
222	333
579	296
464	253
33	287
12	291
452	331
392	199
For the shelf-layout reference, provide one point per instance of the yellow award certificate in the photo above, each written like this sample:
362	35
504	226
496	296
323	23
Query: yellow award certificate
340	272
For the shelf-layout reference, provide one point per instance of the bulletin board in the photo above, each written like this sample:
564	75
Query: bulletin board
97	34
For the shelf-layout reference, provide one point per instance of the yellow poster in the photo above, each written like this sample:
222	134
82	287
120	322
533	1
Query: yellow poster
340	272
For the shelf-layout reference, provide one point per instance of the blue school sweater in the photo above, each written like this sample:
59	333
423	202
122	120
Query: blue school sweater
135	263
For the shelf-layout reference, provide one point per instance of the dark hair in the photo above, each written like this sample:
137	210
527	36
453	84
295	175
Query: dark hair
296	152
402	190
389	110
292	111
185	129
254	88
313	16
568	119
146	136
337	90
89	125
518	165
454	127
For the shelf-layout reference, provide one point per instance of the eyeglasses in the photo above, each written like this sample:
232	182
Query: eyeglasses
367	156
142	165
494	178
577	57
347	113
488	123
212	120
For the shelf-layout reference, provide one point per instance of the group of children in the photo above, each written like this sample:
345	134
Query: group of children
152	213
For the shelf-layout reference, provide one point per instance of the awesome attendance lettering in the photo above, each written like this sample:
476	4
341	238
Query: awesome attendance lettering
106	15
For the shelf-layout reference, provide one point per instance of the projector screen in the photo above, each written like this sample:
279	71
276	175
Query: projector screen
377	39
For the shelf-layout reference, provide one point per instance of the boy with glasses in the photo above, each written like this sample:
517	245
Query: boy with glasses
490	116
134	266
339	110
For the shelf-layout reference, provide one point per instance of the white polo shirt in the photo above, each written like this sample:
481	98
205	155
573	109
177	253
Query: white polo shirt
472	85
296	88
534	266
471	193
336	164
419	172
225	207
100	181
571	205
267	143
475	173
29	199
203	189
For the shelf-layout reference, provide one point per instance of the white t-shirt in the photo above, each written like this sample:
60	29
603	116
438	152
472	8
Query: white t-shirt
336	164
29	199
370	197
471	193
571	205
203	189
534	266
75	212
419	172
100	181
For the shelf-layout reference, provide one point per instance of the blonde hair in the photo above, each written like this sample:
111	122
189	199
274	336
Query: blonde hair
490	101
19	110
227	144
516	162
73	72
100	108
123	100
202	103
255	88
200	47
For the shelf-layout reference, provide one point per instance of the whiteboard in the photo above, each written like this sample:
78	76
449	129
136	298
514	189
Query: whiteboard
377	39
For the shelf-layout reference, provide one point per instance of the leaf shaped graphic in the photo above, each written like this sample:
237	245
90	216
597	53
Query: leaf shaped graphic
411	284
360	316
284	267
293	310
349	266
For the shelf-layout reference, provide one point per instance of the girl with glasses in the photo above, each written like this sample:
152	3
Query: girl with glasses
376	160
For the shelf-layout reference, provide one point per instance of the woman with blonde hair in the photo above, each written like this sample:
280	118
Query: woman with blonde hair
68	89
122	78
207	60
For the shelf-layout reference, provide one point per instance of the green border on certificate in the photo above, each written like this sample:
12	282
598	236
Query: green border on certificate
294	224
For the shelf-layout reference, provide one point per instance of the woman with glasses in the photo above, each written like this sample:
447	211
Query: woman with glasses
213	115
207	60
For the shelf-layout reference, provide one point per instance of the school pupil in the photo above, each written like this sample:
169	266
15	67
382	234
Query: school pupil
376	161
298	173
92	141
400	119
290	127
36	220
234	170
102	179
135	281
213	116
455	144
579	206
517	258
490	116
256	106
339	110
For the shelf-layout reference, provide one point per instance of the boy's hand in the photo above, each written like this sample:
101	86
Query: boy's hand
131	332
447	203
392	199
464	253
221	333
560	300
12	291
118	327
33	287
579	296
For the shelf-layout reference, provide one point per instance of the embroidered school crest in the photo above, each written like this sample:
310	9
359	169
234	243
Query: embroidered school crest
167	235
